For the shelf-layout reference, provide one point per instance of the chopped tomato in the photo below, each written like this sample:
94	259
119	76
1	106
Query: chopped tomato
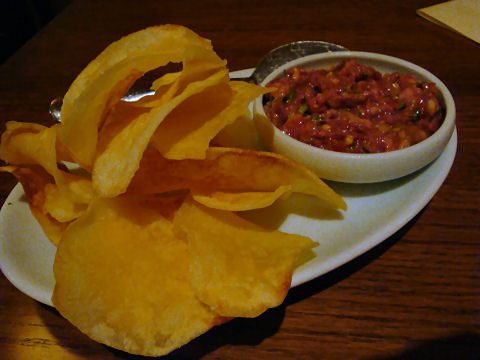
354	108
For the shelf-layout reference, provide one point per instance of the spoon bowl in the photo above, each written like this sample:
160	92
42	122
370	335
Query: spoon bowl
286	53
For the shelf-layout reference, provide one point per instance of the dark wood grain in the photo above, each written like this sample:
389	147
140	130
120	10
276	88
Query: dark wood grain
415	296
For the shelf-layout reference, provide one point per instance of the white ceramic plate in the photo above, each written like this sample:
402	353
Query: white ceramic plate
375	212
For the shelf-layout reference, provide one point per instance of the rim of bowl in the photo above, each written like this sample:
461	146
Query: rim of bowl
443	133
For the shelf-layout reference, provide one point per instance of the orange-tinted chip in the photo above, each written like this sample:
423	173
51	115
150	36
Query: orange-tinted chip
229	170
107	78
150	252
237	268
30	144
35	180
26	144
116	165
187	131
242	201
122	278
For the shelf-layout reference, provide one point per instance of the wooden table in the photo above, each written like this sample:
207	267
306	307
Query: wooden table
415	296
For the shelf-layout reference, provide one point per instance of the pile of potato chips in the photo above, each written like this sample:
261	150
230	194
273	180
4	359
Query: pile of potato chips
151	252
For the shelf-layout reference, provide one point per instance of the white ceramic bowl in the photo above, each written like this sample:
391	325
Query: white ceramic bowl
358	168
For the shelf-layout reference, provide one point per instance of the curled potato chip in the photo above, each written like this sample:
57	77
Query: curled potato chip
105	80
34	144
239	134
60	207
238	268
187	131
116	165
165	80
35	181
30	144
203	76
146	261
55	196
229	170
122	277
198	64
241	201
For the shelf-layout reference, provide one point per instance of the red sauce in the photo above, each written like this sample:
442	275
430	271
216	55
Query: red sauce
354	108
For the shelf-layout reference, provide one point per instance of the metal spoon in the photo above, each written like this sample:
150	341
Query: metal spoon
274	59
288	52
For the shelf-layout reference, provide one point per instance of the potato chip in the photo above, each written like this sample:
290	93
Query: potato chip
105	80
238	268
242	134
33	144
150	252
122	278
165	80
35	180
229	170
30	144
241	201
198	64
55	196
60	207
116	165
203	69
187	131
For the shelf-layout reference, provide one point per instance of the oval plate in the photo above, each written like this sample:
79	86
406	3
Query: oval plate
375	212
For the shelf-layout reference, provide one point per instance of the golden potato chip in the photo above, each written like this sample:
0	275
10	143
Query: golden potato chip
122	278
51	192
187	131
116	165
242	134
35	180
150	253
241	201
121	116
60	207
229	170
237	268
199	63
30	144
26	144
105	80
166	79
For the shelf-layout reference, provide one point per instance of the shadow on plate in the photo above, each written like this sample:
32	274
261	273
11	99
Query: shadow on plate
363	190
333	277
298	204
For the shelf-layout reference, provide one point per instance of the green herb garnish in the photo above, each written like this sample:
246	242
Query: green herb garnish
302	109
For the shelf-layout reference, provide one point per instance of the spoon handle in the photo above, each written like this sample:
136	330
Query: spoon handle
55	107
